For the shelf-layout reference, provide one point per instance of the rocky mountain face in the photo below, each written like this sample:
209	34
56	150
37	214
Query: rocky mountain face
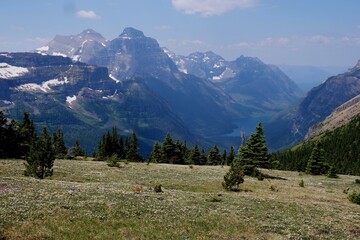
339	117
132	55
319	103
249	81
82	99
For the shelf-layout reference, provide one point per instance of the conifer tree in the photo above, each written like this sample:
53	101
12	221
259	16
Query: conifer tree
257	148
59	144
3	121
26	134
234	177
316	161
203	157
41	157
332	172
132	153
76	149
246	161
156	155
224	158
194	156
231	156
168	149
214	157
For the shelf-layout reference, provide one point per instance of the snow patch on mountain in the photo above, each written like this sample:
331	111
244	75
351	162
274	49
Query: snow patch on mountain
31	87
8	71
43	49
70	100
113	78
59	54
44	87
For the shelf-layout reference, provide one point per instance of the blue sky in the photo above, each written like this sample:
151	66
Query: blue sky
306	32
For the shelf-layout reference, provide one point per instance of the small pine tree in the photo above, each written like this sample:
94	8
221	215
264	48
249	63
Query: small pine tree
316	161
76	149
156	155
332	173
41	157
214	157
195	156
234	177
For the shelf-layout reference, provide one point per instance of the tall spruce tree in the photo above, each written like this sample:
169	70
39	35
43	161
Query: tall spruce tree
26	134
41	157
231	156
316	163
255	152
132	153
168	149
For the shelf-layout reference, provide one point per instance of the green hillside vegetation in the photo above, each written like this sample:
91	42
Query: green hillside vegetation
89	200
341	149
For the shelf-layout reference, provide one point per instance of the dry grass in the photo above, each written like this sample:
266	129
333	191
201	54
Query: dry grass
89	200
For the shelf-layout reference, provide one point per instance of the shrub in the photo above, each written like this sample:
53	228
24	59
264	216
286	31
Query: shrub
354	197
273	188
234	177
301	183
113	161
158	188
214	199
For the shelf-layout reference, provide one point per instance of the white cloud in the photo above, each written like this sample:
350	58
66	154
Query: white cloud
87	14
211	7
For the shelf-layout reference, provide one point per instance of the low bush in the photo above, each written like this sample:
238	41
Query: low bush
354	197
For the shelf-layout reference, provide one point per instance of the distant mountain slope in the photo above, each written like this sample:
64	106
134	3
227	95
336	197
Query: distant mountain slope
319	103
340	116
83	100
247	80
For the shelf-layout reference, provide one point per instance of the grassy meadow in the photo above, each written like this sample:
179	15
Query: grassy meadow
89	200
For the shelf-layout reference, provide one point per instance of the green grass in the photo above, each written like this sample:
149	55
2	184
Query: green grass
89	200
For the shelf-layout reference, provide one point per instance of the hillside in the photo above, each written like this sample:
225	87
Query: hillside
341	150
340	116
90	200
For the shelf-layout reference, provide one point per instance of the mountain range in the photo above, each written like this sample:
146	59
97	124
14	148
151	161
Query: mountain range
85	84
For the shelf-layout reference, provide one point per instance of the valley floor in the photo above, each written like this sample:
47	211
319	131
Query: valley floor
89	200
